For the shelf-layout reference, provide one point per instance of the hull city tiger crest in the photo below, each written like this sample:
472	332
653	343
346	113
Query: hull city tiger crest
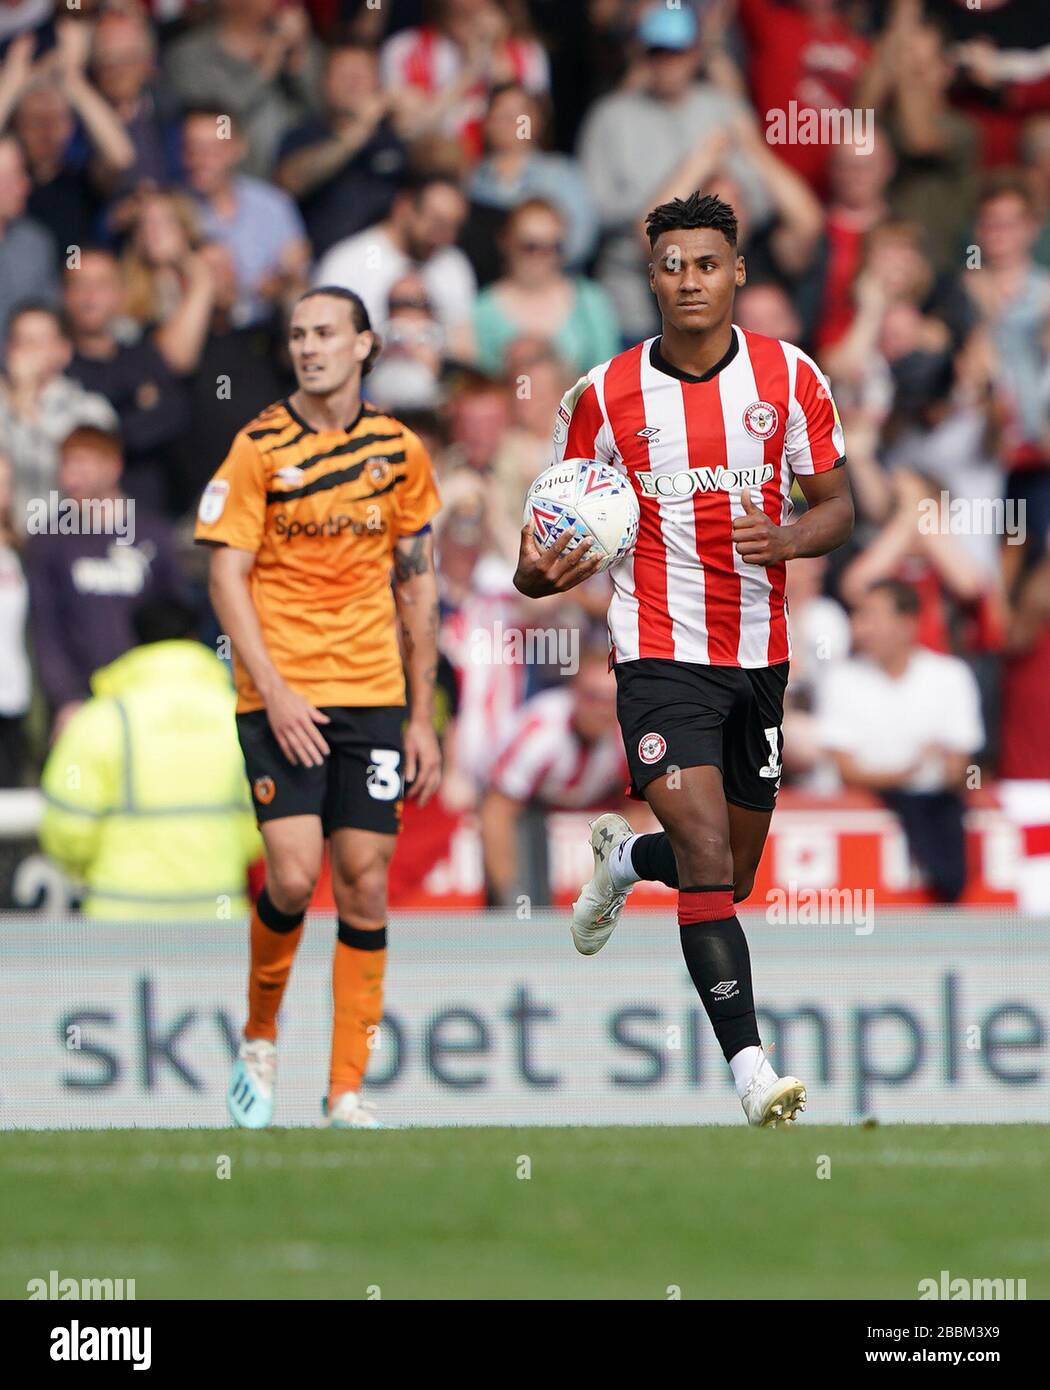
264	789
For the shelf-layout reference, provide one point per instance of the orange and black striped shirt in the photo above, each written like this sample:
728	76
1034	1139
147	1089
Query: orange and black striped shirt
322	510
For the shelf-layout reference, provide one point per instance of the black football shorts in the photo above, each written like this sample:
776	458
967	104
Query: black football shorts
360	785
681	714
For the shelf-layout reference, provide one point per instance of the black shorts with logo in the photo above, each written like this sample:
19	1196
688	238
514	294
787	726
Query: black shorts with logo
682	714
359	785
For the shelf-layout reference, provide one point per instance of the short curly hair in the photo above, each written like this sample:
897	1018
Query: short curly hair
698	210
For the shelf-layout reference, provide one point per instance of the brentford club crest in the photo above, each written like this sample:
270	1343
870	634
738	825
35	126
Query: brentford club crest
761	419
651	748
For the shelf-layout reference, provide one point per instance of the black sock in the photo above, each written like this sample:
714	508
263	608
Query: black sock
653	858
272	918
720	967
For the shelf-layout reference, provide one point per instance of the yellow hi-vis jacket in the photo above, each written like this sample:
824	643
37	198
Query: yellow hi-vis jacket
146	800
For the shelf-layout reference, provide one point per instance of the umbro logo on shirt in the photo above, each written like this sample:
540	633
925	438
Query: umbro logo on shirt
650	432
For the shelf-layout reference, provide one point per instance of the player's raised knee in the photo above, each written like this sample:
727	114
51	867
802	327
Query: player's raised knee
703	856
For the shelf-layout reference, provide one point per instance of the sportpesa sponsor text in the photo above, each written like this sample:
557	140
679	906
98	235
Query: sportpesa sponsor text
336	525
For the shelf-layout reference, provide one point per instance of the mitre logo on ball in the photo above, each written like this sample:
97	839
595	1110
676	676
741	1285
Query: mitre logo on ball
593	500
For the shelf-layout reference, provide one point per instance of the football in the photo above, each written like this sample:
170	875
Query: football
589	498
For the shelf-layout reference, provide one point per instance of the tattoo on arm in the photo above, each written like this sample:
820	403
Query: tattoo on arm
411	557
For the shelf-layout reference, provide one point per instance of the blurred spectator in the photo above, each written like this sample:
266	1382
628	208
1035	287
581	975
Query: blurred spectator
1025	737
1002	50
343	167
124	69
931	704
408	373
952	440
859	183
807	52
536	298
15	675
27	250
537	378
451	64
258	222
766	308
820	638
1036	150
24	16
85	584
515	169
562	751
958	603
1012	294
151	403
634	142
936	146
477	418
169	289
76	148
424	222
240	370
256	61
146	799
908	322
39	405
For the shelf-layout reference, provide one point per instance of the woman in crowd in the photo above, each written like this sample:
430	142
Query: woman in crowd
515	168
170	287
536	298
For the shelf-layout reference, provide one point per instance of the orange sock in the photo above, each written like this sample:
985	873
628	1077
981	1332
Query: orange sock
357	999
275	936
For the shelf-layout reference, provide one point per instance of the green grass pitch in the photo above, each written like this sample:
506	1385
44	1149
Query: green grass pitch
604	1213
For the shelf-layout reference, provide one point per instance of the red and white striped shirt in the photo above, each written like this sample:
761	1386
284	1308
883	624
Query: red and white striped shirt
689	445
544	759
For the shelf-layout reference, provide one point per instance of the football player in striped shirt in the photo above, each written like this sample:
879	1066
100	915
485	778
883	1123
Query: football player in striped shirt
321	500
712	425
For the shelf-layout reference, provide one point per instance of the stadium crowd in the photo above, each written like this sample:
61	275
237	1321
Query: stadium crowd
173	174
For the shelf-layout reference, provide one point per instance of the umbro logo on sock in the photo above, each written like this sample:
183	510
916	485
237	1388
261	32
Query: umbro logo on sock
725	989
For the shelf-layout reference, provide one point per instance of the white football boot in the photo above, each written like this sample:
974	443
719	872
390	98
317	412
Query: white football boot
250	1097
772	1101
350	1112
597	910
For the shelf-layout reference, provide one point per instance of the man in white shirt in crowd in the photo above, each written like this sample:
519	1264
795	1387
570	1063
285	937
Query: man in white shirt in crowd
905	723
419	235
